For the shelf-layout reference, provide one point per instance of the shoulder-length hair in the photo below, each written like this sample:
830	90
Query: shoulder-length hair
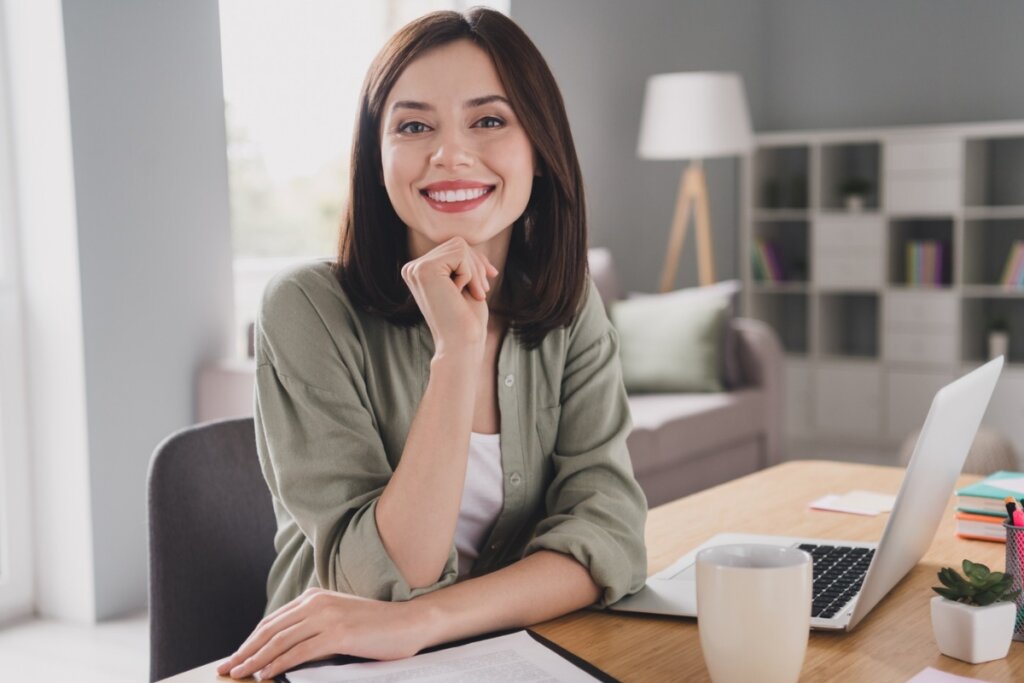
545	275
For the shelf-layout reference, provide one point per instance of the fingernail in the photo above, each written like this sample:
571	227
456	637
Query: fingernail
258	675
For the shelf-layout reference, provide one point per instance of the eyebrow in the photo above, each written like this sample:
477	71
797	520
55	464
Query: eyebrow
468	104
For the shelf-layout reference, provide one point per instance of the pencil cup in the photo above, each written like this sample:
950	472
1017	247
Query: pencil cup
753	612
1015	566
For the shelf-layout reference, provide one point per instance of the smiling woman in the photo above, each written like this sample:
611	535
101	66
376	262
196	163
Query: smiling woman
440	412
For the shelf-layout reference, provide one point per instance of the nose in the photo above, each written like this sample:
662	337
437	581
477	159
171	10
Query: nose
453	150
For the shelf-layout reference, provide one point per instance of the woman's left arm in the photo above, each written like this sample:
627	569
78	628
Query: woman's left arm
321	623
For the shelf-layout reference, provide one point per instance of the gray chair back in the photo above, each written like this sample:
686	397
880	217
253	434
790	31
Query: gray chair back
211	544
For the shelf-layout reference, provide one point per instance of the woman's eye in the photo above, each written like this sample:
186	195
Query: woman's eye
490	122
412	127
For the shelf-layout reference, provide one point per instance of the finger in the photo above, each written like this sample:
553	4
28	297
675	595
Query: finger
280	619
307	650
468	265
485	271
480	276
275	647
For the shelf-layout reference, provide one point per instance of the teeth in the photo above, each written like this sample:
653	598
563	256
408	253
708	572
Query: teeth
458	195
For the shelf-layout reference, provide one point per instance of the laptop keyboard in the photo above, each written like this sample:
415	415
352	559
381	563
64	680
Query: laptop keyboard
838	574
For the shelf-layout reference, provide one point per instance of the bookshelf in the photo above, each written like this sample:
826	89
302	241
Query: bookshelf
882	257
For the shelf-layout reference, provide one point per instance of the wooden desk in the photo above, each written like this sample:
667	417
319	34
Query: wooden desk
892	643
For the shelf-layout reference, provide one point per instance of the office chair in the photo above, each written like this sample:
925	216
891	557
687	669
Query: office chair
211	544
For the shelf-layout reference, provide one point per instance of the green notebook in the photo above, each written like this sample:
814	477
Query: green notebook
986	496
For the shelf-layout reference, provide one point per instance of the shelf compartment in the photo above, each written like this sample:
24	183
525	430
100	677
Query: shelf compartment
787	314
994	172
782	177
852	168
906	231
988	245
979	315
787	241
848	325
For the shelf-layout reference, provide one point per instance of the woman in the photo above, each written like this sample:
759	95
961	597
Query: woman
440	414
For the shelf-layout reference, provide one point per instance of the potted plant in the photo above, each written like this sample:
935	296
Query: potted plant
855	193
973	617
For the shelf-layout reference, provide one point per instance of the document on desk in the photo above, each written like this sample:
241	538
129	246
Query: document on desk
515	657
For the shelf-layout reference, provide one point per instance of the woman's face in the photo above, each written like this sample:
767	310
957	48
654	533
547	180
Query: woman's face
456	161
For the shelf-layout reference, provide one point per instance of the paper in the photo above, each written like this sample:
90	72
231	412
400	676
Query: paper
1016	484
515	657
856	502
930	675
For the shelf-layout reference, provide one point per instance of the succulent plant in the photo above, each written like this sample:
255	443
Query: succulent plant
981	587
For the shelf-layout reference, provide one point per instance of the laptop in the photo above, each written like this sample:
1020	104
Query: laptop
850	578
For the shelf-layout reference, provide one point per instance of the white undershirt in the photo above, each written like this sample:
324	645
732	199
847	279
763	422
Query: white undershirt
482	498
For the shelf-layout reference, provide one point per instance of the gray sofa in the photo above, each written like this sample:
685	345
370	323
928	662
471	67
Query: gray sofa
680	443
683	443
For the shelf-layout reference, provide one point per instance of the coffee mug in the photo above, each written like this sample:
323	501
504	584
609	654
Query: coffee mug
754	611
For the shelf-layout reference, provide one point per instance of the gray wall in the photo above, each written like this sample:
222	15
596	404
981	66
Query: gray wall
877	62
601	52
805	64
150	169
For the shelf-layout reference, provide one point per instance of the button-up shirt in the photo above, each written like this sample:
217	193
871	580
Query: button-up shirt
336	392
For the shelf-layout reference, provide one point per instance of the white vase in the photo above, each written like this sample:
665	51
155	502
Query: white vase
998	343
854	202
973	634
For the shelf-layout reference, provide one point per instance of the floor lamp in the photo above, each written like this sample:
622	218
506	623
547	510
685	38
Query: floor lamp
696	116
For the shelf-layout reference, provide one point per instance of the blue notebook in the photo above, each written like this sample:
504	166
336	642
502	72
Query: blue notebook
986	496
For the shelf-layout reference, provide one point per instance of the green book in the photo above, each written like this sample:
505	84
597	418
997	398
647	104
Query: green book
986	496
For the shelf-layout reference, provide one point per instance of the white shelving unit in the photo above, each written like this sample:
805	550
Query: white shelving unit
866	350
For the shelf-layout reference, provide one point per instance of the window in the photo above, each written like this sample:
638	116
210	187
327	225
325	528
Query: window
292	73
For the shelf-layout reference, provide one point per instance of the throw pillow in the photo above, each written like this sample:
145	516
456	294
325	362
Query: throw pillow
731	372
670	343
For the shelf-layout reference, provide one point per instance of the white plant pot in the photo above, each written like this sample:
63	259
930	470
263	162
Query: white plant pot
973	634
998	343
854	202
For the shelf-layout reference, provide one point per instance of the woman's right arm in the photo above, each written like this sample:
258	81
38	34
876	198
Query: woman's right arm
419	508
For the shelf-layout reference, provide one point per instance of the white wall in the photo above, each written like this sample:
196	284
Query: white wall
127	261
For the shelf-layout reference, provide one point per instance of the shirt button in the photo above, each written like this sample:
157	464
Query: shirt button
494	546
509	380
515	478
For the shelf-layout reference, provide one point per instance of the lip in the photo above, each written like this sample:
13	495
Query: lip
451	185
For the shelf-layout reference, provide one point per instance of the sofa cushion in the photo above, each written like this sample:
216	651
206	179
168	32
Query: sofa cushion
732	374
671	428
670	343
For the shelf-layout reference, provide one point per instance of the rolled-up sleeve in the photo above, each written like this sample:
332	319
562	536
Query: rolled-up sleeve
322	455
595	510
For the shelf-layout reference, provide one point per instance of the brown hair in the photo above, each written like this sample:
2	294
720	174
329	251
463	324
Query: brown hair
546	270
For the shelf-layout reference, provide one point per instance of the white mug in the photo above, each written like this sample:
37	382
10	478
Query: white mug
754	611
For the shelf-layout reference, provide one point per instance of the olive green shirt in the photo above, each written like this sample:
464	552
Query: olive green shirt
336	393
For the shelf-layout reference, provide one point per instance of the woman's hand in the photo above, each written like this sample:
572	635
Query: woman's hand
321	623
450	285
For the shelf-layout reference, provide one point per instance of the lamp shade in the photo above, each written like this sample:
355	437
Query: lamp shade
694	115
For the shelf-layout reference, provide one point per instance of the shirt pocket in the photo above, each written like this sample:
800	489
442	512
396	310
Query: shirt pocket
547	429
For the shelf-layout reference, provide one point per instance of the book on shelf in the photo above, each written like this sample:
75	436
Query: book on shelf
980	527
1013	271
766	262
925	260
986	496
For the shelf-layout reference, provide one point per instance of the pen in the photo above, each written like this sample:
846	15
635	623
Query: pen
1018	518
1010	507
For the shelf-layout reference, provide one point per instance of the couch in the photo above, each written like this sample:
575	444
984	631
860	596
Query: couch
686	442
680	443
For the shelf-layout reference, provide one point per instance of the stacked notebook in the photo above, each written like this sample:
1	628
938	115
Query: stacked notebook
980	510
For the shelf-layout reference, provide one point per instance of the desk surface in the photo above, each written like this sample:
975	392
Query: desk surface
892	643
